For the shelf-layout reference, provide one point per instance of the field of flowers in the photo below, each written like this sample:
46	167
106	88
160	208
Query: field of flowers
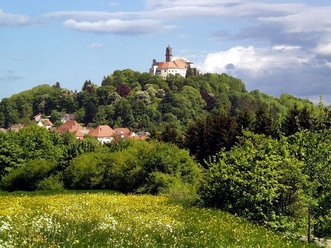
101	219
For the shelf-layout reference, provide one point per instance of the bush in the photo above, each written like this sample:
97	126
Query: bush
28	176
140	167
175	188
53	182
86	171
152	167
257	180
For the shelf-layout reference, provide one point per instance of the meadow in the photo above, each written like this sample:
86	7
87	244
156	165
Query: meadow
107	219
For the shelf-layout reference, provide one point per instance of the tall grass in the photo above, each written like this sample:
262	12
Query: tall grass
100	219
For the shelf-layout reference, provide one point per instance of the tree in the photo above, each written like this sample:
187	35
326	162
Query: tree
264	122
91	110
291	122
123	90
28	175
257	179
9	113
38	143
11	153
313	149
210	134
86	171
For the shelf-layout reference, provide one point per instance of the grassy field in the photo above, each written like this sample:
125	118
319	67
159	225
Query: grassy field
103	219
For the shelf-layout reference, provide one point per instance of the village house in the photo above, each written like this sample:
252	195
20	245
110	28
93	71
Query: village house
142	135
46	123
123	133
68	117
15	127
103	133
43	122
72	127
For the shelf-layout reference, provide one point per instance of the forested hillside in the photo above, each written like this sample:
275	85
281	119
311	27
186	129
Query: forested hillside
212	142
178	110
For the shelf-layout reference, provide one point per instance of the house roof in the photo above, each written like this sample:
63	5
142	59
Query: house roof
176	64
16	127
122	131
79	134
139	137
102	131
46	122
69	126
68	117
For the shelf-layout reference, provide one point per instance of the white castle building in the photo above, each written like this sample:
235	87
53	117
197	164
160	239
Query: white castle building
172	65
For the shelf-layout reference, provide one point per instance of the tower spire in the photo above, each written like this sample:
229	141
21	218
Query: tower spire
168	54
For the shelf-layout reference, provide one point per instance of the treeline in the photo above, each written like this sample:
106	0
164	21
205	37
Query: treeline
203	113
36	159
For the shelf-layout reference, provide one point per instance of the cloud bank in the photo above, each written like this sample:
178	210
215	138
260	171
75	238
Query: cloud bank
8	19
117	26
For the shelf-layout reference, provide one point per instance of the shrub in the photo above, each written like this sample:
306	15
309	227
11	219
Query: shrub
27	176
86	171
174	187
152	167
53	182
140	167
259	180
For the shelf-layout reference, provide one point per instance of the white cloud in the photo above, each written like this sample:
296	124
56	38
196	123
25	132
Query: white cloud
166	9
285	48
275	70
7	19
196	8
324	48
117	26
86	15
256	60
305	19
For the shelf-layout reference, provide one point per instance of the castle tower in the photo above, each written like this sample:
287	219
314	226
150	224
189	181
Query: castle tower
168	54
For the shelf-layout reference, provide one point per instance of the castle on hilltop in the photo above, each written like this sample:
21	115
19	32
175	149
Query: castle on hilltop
172	65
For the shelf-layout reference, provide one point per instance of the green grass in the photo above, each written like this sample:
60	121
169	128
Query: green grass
106	219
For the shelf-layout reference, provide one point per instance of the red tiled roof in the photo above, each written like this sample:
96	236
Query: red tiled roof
79	134
139	137
122	131
46	122
102	131
69	126
176	64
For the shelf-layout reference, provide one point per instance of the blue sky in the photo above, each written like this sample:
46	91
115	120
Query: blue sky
274	46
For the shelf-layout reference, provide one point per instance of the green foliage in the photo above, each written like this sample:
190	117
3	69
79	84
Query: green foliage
11	153
141	101
151	167
257	179
86	171
29	143
313	149
207	136
142	167
53	182
28	175
38	143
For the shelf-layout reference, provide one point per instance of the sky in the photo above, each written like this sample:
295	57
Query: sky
274	46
